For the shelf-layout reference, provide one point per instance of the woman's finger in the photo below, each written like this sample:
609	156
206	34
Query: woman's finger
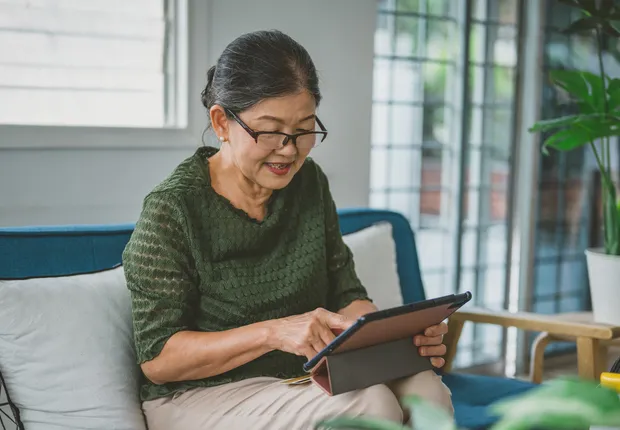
326	335
433	351
438	362
426	340
436	330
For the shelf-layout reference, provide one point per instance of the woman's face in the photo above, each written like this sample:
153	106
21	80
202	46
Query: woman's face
271	169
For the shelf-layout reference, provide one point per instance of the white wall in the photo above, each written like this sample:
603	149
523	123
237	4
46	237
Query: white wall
50	183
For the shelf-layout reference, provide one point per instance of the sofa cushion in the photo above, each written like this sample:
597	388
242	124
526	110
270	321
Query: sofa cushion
66	352
9	414
374	254
474	394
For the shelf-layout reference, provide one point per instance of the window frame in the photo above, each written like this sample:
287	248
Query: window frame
190	65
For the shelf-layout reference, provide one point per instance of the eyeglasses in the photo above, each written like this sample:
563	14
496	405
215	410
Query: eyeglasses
275	139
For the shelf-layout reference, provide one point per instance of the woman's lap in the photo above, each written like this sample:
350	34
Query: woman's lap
266	403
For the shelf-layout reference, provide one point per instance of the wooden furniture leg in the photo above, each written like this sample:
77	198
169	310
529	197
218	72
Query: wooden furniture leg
537	360
455	328
588	356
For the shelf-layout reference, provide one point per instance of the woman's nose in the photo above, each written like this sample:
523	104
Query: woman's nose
287	150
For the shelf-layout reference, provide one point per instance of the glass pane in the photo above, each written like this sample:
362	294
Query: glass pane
435	129
407	81
440	7
557	52
502	90
571	304
490	338
380	129
112	71
548	202
407	29
378	200
382	80
547	241
498	129
431	245
385	5
492	287
378	169
404	168
503	45
573	275
435	82
405	124
546	279
439	45
544	306
504	11
493	240
434	283
431	167
468	252
384	34
408	5
401	202
477	43
431	207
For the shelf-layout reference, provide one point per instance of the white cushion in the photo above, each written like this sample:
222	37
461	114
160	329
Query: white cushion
374	253
66	352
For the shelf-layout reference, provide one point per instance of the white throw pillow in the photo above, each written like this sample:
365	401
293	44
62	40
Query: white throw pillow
374	253
66	352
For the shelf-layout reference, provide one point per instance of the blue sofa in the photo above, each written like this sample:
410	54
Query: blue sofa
64	250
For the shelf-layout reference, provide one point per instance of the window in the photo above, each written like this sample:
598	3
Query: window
107	63
421	147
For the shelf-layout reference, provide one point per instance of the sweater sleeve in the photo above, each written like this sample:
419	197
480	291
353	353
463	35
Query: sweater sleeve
159	272
344	284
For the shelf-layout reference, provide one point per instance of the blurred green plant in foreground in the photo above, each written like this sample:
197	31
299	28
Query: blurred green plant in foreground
565	403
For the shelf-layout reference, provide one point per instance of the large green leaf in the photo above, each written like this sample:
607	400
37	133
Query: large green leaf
549	124
596	90
566	403
428	416
360	424
583	86
572	82
583	132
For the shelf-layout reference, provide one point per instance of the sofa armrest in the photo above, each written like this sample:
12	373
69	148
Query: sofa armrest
568	325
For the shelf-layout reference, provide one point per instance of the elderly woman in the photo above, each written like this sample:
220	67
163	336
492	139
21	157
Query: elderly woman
237	269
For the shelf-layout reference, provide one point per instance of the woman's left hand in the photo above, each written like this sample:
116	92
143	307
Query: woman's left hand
431	343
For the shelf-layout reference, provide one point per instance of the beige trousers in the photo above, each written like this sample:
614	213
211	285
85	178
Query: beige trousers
266	403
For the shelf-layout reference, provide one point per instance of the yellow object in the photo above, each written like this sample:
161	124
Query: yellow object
611	380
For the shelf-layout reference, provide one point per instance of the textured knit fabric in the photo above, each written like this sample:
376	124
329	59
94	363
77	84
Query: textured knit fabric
195	262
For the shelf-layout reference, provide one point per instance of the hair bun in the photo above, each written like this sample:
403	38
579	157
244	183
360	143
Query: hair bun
205	93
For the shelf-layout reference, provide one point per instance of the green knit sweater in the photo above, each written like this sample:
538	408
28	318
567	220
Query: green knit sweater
195	262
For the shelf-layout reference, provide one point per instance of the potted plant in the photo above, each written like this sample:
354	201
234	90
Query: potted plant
566	403
597	98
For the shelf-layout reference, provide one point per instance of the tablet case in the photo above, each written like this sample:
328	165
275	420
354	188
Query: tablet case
361	368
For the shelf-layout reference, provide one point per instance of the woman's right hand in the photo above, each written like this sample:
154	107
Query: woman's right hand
308	333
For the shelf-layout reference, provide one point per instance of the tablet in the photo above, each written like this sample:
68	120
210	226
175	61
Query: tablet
392	324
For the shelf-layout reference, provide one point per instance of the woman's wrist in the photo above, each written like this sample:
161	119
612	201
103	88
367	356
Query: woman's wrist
266	330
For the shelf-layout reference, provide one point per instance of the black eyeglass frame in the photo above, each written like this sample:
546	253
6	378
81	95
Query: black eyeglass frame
289	137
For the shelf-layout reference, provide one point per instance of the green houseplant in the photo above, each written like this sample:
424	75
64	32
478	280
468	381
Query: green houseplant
565	403
597	99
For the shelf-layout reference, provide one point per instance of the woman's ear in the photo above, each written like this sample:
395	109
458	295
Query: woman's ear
219	121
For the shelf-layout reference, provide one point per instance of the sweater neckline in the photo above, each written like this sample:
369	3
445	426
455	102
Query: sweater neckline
273	204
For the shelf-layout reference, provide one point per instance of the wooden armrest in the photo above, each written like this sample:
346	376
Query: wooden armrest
562	325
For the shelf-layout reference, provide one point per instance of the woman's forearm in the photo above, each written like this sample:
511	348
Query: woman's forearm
191	355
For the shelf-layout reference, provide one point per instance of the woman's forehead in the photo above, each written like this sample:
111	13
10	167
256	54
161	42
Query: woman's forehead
289	108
